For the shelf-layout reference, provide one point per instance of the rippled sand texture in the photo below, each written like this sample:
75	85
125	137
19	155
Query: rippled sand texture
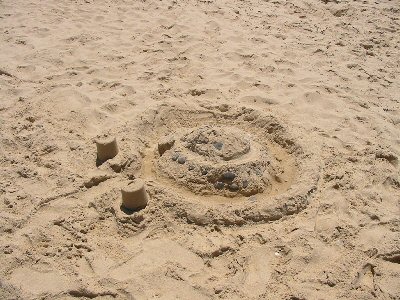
327	72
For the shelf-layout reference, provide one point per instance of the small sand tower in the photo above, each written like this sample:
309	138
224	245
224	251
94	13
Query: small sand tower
106	148
134	195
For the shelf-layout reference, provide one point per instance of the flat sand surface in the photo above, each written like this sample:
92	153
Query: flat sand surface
267	134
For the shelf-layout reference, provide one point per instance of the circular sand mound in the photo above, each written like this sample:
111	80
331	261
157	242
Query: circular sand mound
227	165
217	160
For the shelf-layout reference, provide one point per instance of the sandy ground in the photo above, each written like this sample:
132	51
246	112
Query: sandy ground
312	86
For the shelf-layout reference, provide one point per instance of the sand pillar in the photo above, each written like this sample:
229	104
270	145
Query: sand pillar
106	148
134	195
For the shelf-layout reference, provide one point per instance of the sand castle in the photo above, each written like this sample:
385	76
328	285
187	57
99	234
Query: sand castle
134	195
218	160
106	148
239	165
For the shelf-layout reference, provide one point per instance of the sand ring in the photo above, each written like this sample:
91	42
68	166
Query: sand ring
230	166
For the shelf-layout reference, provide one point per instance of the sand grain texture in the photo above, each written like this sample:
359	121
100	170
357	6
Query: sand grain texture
313	84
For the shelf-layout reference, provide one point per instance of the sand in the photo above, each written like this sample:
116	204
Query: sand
267	134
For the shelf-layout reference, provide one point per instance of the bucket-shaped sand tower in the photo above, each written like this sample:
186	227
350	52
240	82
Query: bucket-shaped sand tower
106	148
134	195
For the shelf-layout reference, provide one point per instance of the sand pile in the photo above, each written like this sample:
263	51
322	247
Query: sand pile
199	150
229	165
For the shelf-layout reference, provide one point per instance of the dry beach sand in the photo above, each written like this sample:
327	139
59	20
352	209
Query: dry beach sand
267	134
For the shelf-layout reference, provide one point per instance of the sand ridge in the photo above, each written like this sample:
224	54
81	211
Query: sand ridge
326	73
